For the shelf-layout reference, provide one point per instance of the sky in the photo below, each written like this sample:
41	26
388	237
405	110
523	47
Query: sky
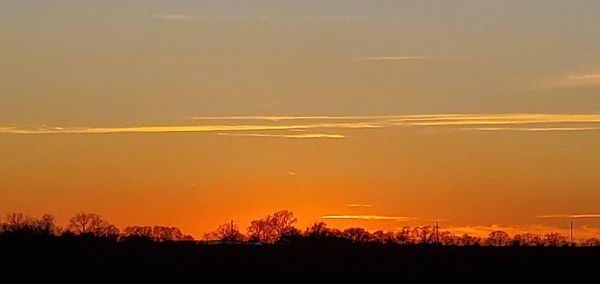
381	114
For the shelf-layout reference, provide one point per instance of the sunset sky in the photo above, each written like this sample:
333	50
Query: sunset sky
381	114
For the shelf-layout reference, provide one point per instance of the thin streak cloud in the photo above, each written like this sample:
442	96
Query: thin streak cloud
174	17
365	217
341	18
401	58
147	129
570	216
306	124
187	128
531	129
428	119
578	77
576	80
283	118
358	205
294	136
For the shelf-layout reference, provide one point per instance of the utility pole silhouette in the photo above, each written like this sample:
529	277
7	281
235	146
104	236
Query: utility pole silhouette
437	232
572	234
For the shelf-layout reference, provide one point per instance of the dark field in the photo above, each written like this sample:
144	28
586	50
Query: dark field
110	262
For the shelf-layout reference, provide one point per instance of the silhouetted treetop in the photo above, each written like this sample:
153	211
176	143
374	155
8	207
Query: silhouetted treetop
93	225
20	226
227	233
277	228
272	227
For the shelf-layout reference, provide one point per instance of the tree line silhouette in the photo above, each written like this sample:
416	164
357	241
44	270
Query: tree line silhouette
277	228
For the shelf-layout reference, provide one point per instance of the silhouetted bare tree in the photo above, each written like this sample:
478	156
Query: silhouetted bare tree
271	228
291	233
498	239
20	226
138	233
275	228
382	237
357	235
378	237
283	222
168	234
228	233
423	235
318	230
555	240
447	238
404	237
468	240
261	231
45	225
527	239
91	224
592	242
155	233
16	220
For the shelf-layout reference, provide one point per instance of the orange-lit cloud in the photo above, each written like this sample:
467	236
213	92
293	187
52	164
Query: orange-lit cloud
294	136
570	216
366	217
185	128
531	129
228	124
359	205
283	117
582	77
425	119
577	80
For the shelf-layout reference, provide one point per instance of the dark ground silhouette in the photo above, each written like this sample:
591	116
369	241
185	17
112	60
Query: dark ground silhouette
90	249
303	261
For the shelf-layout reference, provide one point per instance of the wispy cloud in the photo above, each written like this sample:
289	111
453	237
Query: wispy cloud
584	77
294	136
284	117
473	122
500	119
570	216
145	129
344	18
575	80
358	205
424	119
401	58
173	17
531	129
366	217
189	128
306	127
